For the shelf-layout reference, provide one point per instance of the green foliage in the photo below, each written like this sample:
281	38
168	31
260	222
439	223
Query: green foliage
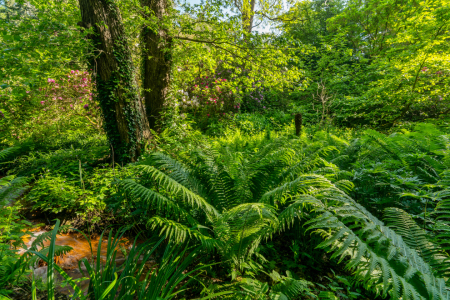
380	62
55	194
38	40
247	200
243	189
12	266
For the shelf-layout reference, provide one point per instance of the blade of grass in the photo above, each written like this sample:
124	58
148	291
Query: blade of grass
50	264
109	288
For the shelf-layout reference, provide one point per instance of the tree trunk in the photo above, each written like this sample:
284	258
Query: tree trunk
248	12
125	123
157	61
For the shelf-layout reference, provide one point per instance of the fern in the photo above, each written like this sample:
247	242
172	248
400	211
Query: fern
418	239
5	153
240	191
377	254
11	187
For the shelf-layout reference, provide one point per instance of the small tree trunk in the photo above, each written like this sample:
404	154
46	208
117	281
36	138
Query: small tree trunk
248	12
157	61
298	124
125	122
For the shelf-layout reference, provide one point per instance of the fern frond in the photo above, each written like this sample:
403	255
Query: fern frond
369	259
39	240
154	200
177	171
295	210
290	288
302	185
179	233
11	188
173	186
5	153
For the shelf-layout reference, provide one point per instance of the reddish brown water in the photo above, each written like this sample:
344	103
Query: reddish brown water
80	249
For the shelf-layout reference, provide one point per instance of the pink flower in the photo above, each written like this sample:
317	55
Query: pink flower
71	105
60	98
208	115
28	92
77	71
84	79
81	101
224	79
42	102
81	98
90	94
86	106
51	80
195	85
72	71
224	114
206	86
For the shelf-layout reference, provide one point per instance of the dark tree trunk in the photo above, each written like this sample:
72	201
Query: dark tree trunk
298	124
157	60
125	123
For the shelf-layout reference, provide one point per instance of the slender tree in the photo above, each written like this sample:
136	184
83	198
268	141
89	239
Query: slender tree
125	123
157	60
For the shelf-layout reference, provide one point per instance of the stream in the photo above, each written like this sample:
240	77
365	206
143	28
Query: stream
69	261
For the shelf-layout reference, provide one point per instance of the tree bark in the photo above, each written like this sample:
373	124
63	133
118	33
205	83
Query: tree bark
125	121
157	60
298	124
248	12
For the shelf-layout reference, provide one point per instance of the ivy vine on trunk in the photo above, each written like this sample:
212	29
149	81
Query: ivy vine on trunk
125	123
157	60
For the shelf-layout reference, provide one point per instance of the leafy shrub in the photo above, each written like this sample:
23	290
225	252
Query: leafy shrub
208	96
55	194
60	104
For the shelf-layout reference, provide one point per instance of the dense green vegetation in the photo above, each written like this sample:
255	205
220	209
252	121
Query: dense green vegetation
171	125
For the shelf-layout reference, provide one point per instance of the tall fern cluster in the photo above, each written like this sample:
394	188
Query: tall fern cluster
240	191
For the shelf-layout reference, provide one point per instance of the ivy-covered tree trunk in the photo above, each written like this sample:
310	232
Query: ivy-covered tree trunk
157	61
125	121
